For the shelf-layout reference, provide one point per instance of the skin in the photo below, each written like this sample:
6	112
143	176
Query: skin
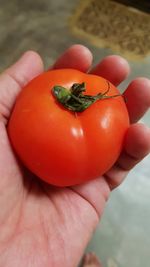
44	226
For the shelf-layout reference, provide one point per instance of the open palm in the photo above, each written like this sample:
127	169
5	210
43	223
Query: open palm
45	226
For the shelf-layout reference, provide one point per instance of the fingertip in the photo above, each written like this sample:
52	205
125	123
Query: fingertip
141	82
138	98
82	48
137	143
114	68
28	66
33	56
120	60
76	57
83	54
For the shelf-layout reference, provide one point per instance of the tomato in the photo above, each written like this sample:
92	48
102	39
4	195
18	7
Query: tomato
65	147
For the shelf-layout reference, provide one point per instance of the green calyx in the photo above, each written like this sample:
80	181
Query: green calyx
75	100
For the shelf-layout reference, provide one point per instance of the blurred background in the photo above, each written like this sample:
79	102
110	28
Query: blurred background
122	238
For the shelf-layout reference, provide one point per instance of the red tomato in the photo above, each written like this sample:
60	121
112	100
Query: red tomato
64	147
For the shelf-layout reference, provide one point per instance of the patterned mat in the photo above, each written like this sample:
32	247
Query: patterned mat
112	24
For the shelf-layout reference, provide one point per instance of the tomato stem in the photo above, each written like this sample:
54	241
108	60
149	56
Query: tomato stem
75	100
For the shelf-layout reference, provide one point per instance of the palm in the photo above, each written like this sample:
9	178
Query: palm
43	219
48	226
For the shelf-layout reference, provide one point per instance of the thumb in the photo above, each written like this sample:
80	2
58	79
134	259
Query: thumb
11	82
15	77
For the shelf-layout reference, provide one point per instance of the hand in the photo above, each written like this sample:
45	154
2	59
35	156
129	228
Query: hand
46	226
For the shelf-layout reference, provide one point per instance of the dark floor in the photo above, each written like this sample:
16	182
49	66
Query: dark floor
123	237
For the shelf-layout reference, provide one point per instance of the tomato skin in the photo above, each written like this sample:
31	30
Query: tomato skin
59	146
